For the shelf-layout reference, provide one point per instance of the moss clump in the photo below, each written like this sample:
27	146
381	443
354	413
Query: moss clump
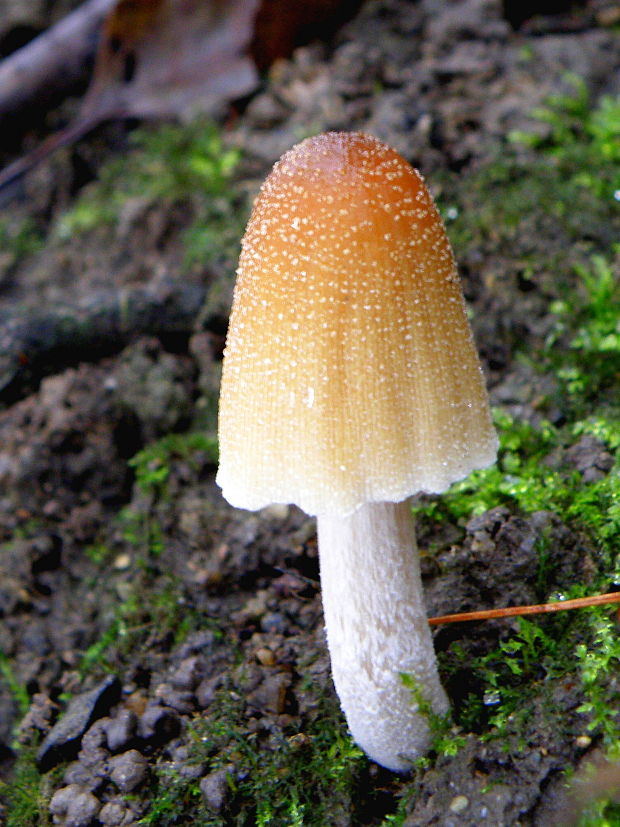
549	198
152	465
548	207
18	239
583	346
276	777
582	141
28	792
184	165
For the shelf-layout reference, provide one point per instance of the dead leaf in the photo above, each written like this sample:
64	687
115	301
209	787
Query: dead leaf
162	58
178	58
281	25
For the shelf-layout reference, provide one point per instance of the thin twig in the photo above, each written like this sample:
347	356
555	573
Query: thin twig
52	62
515	611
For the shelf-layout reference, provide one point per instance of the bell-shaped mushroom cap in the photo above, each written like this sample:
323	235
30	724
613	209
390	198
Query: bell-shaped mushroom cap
350	373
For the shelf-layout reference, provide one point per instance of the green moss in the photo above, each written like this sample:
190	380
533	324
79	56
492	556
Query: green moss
27	794
140	527
598	659
277	777
154	610
544	202
17	690
152	465
445	738
154	613
99	553
521	478
582	141
583	643
506	679
526	478
170	165
583	347
603	813
547	207
18	239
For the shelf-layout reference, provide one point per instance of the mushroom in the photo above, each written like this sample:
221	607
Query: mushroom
351	382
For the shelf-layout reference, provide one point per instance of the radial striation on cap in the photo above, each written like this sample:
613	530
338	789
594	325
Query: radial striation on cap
350	373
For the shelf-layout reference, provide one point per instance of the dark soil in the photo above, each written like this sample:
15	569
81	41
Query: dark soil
141	604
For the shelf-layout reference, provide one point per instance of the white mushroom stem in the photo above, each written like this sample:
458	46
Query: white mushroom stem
377	629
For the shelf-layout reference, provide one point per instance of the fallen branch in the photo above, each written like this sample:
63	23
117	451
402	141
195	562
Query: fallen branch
53	61
25	162
156	59
39	343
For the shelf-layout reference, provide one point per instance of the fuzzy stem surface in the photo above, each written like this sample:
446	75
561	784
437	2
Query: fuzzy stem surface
377	630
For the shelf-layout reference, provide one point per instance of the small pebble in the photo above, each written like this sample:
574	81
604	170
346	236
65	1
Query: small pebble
63	741
84	777
197	643
256	606
299	741
207	691
270	695
189	673
265	656
120	730
94	760
128	770
191	771
178	700
112	814
459	804
273	622
214	788
95	737
122	561
276	511
73	806
158	724
137	702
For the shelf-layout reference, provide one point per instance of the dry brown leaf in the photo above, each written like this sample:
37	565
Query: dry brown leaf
162	58
177	58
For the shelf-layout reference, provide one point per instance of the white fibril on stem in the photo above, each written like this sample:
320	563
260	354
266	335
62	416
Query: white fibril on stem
377	630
